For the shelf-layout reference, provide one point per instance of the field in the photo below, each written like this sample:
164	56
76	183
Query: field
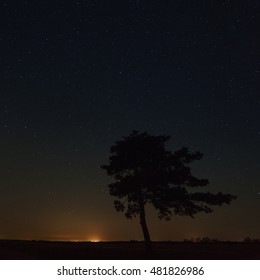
46	250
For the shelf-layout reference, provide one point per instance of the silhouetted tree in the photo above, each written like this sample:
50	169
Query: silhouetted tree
248	239
146	173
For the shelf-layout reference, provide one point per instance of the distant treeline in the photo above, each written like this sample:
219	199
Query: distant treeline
208	240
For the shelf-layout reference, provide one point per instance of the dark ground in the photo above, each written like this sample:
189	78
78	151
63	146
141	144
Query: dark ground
44	250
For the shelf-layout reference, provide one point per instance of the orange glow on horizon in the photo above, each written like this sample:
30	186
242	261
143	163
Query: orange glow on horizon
84	240
94	240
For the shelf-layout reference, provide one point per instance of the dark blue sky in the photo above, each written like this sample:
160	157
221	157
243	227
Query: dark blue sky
77	76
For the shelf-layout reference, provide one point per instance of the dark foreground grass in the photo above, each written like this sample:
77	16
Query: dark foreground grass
46	250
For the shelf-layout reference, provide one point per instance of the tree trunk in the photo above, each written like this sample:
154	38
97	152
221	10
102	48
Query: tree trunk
146	234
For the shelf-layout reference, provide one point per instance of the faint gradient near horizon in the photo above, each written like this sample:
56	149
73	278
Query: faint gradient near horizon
77	77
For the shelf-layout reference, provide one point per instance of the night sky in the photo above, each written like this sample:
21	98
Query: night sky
75	76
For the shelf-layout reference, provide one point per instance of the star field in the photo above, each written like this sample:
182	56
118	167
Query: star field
77	76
